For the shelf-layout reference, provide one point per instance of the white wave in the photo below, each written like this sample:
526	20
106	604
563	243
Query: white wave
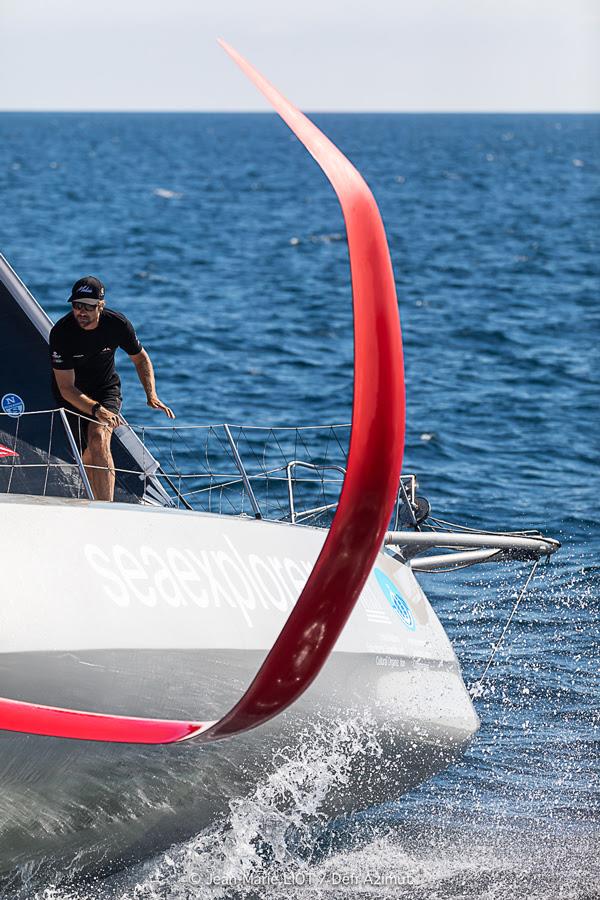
166	194
265	843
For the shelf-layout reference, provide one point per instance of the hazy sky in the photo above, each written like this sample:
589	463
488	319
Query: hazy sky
520	55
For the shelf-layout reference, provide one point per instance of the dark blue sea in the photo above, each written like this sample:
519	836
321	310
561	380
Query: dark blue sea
223	242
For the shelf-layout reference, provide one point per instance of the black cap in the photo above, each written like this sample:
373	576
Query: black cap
87	290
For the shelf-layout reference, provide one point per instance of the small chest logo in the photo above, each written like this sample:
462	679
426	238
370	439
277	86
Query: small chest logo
12	405
396	600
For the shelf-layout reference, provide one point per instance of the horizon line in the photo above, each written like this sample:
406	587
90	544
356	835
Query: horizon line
405	112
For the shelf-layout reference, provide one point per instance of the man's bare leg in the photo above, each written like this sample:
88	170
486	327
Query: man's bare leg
99	463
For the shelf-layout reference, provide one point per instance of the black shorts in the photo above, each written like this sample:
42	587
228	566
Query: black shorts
110	399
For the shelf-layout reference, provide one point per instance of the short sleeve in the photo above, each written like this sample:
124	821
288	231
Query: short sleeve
128	340
60	357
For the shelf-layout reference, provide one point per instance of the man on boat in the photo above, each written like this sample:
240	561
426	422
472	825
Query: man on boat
84	378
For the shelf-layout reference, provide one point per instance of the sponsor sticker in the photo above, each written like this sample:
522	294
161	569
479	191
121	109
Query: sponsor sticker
396	600
6	451
12	405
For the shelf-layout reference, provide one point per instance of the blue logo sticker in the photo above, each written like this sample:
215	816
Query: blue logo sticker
396	600
13	405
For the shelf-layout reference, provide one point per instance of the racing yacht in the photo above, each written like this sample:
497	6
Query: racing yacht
157	652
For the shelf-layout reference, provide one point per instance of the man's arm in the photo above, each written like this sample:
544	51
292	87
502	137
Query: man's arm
143	367
65	379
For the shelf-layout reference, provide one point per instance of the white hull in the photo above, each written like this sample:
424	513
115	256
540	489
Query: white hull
155	612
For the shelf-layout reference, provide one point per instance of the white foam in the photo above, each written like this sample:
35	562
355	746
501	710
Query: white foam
166	194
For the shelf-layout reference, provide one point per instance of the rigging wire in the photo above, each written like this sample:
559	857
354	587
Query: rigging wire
476	689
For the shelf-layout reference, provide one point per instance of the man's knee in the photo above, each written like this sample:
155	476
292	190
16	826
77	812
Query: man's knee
99	442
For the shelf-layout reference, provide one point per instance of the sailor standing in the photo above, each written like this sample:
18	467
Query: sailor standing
84	378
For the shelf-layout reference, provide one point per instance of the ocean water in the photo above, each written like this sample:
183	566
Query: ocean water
222	241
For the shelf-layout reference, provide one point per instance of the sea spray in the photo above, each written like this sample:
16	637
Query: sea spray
267	840
269	836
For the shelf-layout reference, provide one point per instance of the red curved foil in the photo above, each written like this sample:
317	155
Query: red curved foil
376	443
52	721
366	501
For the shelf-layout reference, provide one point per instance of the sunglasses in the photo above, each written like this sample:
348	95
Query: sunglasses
87	306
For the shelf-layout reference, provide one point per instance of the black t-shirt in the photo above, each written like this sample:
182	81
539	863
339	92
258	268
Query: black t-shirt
92	353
